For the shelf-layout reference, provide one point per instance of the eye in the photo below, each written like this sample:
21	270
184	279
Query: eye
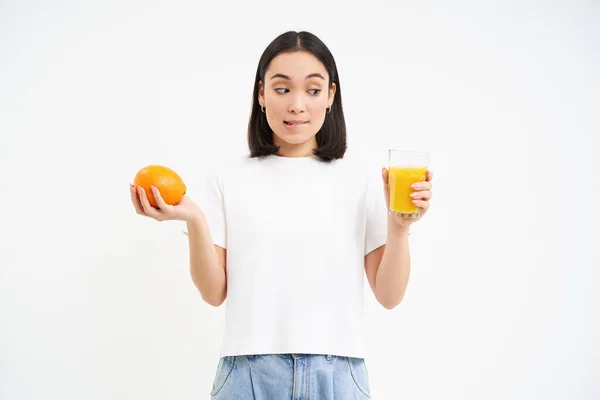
281	90
316	91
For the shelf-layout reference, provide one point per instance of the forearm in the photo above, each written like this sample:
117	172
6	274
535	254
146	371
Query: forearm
206	270
394	270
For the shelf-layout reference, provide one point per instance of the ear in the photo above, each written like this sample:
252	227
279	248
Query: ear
261	94
332	91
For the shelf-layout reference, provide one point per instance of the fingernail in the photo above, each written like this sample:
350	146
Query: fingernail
415	194
416	186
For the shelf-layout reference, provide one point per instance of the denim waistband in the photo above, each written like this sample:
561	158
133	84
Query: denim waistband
292	355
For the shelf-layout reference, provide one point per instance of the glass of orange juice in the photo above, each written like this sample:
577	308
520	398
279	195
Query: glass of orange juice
405	168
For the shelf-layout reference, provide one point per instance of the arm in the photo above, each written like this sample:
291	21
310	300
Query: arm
207	262
388	267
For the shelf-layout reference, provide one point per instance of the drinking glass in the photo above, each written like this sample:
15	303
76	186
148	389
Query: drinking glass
405	168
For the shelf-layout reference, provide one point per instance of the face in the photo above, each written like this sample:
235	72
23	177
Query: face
295	95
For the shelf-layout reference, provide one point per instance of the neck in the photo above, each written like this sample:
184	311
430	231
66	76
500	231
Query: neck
296	150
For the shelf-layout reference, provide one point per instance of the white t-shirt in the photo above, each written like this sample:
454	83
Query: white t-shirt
296	232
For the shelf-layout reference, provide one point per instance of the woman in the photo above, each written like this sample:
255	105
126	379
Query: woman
287	234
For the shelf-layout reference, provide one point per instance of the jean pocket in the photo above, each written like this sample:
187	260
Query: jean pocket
223	373
360	375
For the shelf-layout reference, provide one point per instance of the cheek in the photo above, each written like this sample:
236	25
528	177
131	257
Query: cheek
275	106
318	109
318	106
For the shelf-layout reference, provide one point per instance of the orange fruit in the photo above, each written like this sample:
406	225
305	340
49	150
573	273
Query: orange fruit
169	184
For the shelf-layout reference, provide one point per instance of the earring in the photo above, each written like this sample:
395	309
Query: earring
328	110
262	109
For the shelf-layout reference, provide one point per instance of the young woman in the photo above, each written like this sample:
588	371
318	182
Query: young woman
287	234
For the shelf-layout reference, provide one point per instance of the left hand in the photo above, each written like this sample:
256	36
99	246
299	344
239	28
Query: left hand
421	197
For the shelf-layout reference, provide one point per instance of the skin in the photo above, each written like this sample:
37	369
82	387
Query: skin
388	267
295	88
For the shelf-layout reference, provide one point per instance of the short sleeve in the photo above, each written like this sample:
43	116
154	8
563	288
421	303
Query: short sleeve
213	207
376	214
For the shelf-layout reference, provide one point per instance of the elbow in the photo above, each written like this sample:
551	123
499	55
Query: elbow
215	302
390	304
209	294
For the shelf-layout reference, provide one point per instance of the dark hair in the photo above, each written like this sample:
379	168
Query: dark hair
331	138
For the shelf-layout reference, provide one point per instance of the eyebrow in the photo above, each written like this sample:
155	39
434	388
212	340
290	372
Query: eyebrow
314	75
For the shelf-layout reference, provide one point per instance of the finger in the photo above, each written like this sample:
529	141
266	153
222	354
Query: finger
385	175
136	200
425	195
148	209
160	202
422	186
429	176
421	203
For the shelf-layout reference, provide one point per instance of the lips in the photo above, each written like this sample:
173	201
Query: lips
295	123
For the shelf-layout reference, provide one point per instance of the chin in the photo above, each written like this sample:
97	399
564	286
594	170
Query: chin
291	138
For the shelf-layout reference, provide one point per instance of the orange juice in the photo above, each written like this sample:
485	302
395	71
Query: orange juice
400	181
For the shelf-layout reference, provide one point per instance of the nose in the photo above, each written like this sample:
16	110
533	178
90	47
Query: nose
296	104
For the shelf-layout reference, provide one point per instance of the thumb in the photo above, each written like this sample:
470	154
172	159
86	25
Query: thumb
384	175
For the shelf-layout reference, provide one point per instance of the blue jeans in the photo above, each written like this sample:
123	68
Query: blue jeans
291	377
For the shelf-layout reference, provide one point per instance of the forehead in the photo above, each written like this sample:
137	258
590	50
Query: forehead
297	65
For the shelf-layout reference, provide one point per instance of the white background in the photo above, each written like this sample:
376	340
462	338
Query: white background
97	302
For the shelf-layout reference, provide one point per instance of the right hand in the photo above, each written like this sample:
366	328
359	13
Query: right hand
186	210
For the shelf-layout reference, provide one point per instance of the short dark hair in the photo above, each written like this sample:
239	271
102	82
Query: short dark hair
331	138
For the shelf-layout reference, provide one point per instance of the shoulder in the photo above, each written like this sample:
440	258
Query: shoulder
231	166
363	171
